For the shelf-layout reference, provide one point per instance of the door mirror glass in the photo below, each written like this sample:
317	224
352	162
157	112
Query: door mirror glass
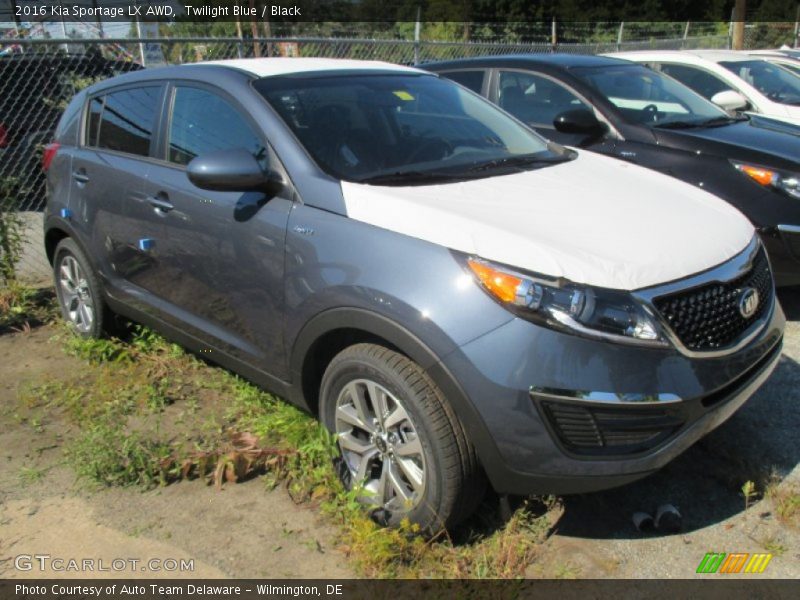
232	171
578	120
729	100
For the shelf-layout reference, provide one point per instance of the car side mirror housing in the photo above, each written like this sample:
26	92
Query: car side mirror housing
232	171
579	120
729	100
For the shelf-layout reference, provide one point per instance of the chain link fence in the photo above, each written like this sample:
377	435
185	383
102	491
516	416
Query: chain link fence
39	76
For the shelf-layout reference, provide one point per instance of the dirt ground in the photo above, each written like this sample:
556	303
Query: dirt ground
243	530
247	531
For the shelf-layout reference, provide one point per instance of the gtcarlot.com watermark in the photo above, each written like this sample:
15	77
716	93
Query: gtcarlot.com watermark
57	564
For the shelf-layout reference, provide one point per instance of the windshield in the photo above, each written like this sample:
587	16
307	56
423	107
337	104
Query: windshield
794	67
775	82
370	128
651	98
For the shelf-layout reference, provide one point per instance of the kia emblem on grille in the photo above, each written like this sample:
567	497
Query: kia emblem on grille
748	302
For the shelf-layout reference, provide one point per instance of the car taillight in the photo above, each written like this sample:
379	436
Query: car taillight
3	135
49	154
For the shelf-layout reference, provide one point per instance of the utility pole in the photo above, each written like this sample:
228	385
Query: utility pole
239	35
738	25
417	26
17	20
98	20
796	26
267	27
254	30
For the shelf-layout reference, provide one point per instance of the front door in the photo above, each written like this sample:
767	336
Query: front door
222	253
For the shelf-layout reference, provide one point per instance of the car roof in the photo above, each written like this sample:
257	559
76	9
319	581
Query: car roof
269	67
564	61
689	56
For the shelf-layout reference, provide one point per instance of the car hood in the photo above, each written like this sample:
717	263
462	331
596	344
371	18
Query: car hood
759	134
593	220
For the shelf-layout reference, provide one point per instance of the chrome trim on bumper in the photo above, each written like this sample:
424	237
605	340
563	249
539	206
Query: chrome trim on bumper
727	271
604	397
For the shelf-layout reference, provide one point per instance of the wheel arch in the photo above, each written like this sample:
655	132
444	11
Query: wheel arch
333	330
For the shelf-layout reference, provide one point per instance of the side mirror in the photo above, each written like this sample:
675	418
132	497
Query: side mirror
729	100
232	171
579	120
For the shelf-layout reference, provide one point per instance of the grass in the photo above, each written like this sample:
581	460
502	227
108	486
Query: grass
22	307
150	414
30	475
786	499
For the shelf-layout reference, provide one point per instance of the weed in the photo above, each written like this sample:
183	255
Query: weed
106	454
21	307
774	546
786	499
11	230
749	492
96	351
29	475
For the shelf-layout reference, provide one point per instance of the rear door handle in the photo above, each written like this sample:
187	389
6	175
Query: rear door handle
160	203
80	176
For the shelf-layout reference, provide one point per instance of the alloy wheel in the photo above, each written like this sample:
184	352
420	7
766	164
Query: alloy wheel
75	295
380	446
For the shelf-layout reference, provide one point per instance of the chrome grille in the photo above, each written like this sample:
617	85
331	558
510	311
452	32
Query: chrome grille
708	317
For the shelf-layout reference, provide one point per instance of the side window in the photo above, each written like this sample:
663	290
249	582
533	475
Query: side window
93	120
472	80
534	99
203	122
702	82
127	120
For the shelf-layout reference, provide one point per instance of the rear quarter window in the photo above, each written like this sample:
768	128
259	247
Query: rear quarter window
472	80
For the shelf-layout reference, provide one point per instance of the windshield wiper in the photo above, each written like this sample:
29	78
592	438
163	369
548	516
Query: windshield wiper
409	177
714	122
517	161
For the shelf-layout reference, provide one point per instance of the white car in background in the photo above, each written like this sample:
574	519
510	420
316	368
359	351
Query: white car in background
732	80
777	57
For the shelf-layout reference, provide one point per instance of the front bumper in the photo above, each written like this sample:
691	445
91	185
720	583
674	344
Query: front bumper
512	372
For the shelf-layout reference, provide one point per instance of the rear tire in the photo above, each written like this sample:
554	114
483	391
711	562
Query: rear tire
399	439
79	292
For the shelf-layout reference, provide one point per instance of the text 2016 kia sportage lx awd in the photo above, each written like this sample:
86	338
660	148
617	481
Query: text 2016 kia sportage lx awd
456	298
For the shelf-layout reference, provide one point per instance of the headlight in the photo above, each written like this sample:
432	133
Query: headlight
782	180
589	311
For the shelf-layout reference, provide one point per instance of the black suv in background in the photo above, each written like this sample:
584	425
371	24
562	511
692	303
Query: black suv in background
34	90
628	111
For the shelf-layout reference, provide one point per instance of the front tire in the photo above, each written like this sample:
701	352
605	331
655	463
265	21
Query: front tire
400	442
78	291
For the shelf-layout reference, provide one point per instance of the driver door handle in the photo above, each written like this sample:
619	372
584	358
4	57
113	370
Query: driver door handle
160	203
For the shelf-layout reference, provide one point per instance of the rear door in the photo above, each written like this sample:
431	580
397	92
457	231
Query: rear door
109	167
221	253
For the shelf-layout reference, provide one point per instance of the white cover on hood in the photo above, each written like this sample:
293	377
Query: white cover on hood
593	220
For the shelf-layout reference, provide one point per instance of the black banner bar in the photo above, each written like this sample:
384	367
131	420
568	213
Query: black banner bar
713	586
385	11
